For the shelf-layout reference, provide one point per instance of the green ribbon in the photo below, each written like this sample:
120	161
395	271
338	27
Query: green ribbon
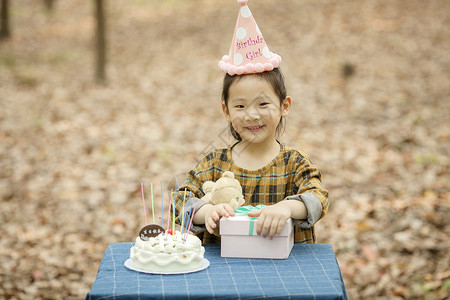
244	210
250	227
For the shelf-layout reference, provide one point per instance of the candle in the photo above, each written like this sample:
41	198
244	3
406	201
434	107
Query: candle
173	210
162	206
185	213
184	202
153	207
168	213
192	217
143	202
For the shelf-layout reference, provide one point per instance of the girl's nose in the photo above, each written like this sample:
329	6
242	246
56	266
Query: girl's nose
251	115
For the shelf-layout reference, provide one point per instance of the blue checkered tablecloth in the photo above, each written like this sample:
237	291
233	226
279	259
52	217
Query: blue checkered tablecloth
310	272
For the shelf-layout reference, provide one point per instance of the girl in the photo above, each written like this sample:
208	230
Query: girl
255	104
270	173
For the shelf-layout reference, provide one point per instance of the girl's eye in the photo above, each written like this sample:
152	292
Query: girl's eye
239	106
263	104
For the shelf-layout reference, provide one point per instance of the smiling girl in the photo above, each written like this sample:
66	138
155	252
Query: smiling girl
269	172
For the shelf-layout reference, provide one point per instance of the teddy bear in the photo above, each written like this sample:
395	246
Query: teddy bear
225	190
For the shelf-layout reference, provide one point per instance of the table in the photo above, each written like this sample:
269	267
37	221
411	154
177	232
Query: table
310	272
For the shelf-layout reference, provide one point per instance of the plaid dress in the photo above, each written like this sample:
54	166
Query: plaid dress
290	173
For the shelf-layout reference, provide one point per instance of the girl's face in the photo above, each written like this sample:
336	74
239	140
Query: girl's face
254	109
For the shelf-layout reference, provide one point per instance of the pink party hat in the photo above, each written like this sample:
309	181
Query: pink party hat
248	52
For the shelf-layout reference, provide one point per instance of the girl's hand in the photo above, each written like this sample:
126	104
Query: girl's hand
214	213
271	219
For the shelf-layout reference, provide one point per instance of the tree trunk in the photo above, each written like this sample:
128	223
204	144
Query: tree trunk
4	27
100	74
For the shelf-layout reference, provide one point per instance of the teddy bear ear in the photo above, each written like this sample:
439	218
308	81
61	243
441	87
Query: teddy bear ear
207	186
228	174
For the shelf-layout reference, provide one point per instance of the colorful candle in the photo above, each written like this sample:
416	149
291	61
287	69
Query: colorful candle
143	202
184	228
182	210
162	206
153	207
192	217
168	213
173	210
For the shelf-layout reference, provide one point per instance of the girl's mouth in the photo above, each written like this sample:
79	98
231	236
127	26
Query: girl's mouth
254	128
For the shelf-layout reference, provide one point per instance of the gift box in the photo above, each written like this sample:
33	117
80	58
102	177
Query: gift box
239	238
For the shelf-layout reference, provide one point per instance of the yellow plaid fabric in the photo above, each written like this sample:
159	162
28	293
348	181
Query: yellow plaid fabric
290	173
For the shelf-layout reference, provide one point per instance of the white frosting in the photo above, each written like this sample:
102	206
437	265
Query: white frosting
168	253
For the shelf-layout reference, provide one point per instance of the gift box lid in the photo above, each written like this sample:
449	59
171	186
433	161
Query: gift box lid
245	225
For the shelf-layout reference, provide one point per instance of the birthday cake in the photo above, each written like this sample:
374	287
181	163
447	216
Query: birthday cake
168	253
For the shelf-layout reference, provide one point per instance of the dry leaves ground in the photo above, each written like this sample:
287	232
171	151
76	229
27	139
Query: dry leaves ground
370	83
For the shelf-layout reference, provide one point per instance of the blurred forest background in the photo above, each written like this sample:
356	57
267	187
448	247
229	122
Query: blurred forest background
370	82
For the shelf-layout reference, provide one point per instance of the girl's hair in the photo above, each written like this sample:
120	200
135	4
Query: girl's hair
275	78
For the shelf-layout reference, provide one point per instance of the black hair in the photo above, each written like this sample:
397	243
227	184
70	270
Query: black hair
275	78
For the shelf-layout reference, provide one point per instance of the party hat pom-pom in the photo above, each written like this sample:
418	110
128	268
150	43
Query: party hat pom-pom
242	2
268	67
249	68
259	67
240	70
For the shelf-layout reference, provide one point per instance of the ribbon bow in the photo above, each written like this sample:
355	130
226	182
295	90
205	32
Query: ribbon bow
244	210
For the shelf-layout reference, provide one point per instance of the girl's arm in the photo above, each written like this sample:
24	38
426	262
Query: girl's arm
309	190
308	204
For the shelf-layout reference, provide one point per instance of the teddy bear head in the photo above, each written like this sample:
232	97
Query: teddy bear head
225	190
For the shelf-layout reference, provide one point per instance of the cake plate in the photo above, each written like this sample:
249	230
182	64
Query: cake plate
129	264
